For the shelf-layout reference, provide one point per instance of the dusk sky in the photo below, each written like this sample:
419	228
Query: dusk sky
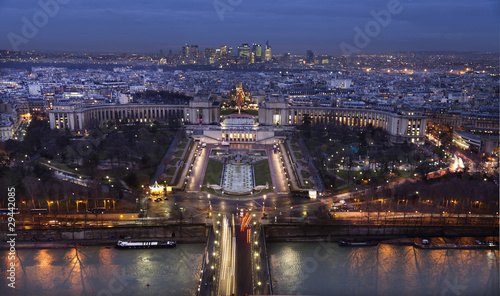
289	25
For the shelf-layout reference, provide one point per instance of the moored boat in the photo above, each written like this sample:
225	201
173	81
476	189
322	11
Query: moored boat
477	245
343	243
145	245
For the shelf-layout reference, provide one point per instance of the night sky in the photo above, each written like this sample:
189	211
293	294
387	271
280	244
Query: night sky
289	25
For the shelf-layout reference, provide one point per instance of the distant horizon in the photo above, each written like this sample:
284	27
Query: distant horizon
295	26
178	52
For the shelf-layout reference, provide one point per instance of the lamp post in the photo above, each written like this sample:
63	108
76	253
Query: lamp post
264	204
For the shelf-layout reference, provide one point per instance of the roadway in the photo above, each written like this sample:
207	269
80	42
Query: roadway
227	275
199	169
244	256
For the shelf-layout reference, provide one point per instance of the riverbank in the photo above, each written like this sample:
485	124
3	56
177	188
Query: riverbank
64	238
314	233
87	243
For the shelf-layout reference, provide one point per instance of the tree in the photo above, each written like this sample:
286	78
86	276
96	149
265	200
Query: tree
424	168
132	180
306	125
32	185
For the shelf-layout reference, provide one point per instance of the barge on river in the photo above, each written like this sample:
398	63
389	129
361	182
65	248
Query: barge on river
145	245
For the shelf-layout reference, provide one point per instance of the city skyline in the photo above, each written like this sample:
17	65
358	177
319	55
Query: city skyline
340	28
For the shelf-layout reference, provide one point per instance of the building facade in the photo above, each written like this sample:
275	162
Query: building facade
82	118
403	126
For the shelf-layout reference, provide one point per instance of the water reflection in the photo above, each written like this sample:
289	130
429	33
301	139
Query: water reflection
101	271
326	269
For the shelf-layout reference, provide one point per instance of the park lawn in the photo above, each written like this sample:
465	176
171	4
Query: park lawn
297	155
113	173
191	147
343	174
312	144
262	173
178	153
228	112
213	173
184	163
61	166
182	145
305	174
168	180
170	171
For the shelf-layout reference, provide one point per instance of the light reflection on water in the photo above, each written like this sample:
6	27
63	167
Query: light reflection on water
327	269
101	271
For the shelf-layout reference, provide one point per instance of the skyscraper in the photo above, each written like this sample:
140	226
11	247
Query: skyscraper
210	52
244	51
223	50
257	51
286	58
186	50
194	51
310	56
268	55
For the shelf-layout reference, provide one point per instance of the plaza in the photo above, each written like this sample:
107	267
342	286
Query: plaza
237	179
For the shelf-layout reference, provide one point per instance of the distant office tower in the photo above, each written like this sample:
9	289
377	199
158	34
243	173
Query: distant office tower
194	51
244	51
268	54
286	58
210	52
310	56
257	51
223	50
186	50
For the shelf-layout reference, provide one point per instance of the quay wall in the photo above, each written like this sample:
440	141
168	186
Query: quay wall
193	233
308	232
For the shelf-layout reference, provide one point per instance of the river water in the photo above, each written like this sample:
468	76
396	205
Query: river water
327	269
296	268
101	271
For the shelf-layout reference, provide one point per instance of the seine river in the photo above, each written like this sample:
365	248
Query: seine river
297	269
101	271
327	269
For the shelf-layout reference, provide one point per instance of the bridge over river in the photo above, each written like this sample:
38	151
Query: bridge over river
235	261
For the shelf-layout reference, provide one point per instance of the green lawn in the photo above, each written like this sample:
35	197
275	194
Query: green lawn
182	145
178	153
311	144
170	171
168	180
262	173
305	174
213	173
61	166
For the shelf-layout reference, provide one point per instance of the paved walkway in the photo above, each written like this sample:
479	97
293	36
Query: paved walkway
290	168
317	178
187	166
164	160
